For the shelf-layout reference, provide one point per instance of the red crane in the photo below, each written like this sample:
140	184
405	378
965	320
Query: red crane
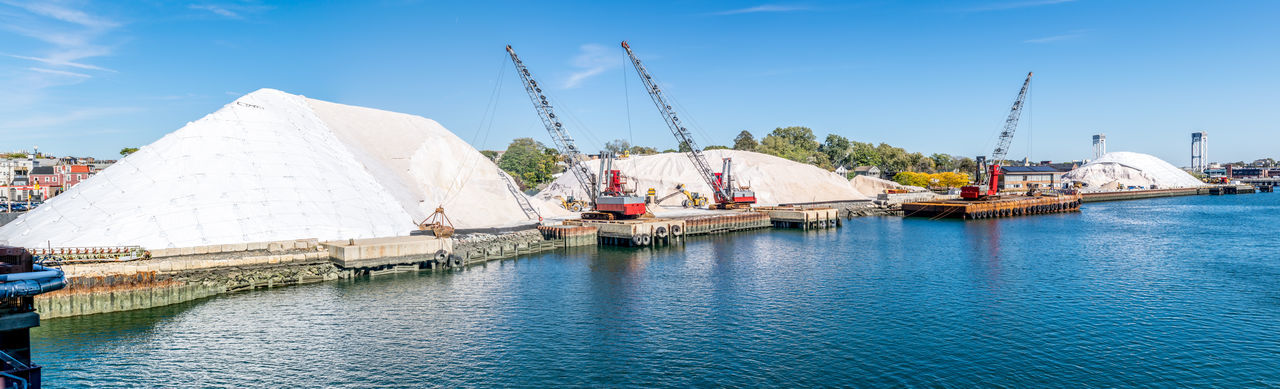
724	192
975	192
608	203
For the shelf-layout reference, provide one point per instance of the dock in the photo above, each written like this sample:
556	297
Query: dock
1090	197
802	217
738	221
1232	189
397	253
634	232
1006	206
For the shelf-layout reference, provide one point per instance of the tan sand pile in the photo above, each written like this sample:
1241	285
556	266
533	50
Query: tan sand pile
775	180
872	186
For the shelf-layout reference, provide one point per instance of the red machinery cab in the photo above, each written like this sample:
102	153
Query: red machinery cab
975	192
736	195
615	201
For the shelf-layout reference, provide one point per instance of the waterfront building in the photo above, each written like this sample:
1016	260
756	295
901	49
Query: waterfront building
49	180
1021	177
870	171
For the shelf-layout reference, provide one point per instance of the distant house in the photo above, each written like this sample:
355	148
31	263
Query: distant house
49	179
870	171
14	191
70	175
843	171
1020	177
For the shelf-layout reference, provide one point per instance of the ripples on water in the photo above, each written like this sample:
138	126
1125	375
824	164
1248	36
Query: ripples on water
1155	292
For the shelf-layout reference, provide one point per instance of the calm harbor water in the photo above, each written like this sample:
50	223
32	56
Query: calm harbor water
1180	291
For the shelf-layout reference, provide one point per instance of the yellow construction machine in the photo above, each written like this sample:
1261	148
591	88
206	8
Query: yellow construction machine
573	204
691	199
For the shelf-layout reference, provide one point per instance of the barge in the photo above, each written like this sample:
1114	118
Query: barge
993	207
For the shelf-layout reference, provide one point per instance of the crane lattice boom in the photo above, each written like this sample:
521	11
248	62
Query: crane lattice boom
559	135
721	190
1010	124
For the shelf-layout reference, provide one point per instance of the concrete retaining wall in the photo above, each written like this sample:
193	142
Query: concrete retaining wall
483	247
121	286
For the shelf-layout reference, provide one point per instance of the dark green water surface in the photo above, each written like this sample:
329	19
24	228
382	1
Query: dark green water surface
1179	291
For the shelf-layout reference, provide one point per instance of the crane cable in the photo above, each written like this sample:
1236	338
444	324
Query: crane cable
1030	121
489	114
626	94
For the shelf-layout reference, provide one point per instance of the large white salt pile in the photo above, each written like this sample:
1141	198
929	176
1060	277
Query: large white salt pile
275	166
872	186
1130	169
775	180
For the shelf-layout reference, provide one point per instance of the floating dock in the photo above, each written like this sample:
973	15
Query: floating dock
398	253
634	232
726	223
1232	189
1006	206
1090	197
800	216
570	235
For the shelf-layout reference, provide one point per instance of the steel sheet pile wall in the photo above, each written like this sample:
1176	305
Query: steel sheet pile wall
726	223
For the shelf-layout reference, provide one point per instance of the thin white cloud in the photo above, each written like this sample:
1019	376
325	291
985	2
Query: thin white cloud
58	62
61	38
60	119
71	33
1057	38
231	10
218	10
592	59
63	14
1018	4
59	72
765	8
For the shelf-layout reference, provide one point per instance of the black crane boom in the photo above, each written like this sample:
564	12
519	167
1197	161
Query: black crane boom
559	135
721	190
1010	124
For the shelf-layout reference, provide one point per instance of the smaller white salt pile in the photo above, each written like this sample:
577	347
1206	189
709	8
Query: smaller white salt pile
1129	169
775	180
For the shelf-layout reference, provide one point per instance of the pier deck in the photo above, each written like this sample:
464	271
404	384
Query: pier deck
803	217
1232	189
1003	207
634	232
1090	197
386	252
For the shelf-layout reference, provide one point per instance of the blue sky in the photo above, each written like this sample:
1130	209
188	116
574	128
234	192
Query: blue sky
87	78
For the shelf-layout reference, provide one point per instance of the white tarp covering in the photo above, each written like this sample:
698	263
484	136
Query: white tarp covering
775	180
275	166
1127	169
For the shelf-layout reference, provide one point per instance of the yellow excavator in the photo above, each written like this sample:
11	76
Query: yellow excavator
691	199
573	204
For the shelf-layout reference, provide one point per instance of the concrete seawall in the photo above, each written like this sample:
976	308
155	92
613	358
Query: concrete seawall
111	287
172	276
187	274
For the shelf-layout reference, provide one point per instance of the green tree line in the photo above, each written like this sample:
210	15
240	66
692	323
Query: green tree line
533	164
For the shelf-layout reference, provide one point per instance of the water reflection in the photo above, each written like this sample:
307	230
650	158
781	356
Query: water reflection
1050	300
